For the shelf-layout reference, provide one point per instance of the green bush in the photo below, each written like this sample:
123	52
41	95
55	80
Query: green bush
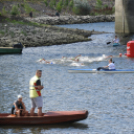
27	8
0	14
51	4
22	5
54	2
71	4
59	6
14	10
46	3
4	12
99	4
81	7
66	2
105	6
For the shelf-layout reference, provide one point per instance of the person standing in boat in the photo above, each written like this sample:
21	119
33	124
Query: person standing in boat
35	93
19	107
116	39
110	66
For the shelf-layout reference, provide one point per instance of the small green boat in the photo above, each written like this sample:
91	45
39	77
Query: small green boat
10	50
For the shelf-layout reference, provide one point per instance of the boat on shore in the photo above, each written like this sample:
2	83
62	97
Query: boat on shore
15	49
100	71
10	50
53	117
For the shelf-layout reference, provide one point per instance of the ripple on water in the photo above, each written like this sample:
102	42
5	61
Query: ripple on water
107	97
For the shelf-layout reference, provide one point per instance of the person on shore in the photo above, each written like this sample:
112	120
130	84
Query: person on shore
19	107
110	66
116	40
31	14
35	93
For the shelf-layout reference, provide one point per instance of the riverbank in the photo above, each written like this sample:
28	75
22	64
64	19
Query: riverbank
33	36
35	32
72	19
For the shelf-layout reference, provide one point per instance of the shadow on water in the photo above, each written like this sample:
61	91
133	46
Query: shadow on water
76	125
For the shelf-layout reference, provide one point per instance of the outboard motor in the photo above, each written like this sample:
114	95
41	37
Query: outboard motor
19	45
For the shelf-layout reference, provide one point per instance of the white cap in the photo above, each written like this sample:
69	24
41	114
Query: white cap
19	96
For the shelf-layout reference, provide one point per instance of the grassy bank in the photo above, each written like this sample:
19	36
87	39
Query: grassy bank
51	7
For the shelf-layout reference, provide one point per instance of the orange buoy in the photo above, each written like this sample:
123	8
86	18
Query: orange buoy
130	49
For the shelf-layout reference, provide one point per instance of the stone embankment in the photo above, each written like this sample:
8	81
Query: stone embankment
31	36
72	19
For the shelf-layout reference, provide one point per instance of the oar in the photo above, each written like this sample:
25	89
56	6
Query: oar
99	68
108	43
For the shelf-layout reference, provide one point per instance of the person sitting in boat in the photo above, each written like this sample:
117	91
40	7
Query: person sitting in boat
116	40
110	66
19	107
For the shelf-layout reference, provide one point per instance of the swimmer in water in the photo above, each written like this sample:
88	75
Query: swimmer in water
120	55
76	58
43	60
64	58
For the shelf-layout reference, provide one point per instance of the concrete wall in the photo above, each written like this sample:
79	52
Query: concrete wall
124	16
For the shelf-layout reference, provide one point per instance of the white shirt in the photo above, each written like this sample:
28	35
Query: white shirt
111	66
116	40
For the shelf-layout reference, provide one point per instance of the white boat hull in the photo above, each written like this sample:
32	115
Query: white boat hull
101	71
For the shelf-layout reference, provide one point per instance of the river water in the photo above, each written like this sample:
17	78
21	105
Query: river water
109	98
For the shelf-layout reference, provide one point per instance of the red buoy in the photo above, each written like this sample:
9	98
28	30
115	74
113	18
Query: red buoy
130	49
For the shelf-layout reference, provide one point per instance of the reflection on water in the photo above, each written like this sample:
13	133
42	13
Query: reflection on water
34	129
100	26
107	97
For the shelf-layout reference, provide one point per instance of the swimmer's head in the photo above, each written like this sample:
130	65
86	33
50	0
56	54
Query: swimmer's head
77	60
125	54
120	54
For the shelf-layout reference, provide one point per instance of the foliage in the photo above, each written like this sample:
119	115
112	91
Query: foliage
59	6
2	32
54	2
4	12
99	4
71	3
14	10
27	8
81	7
46	3
51	4
66	2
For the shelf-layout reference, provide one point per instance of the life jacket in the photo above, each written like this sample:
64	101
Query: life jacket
34	92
